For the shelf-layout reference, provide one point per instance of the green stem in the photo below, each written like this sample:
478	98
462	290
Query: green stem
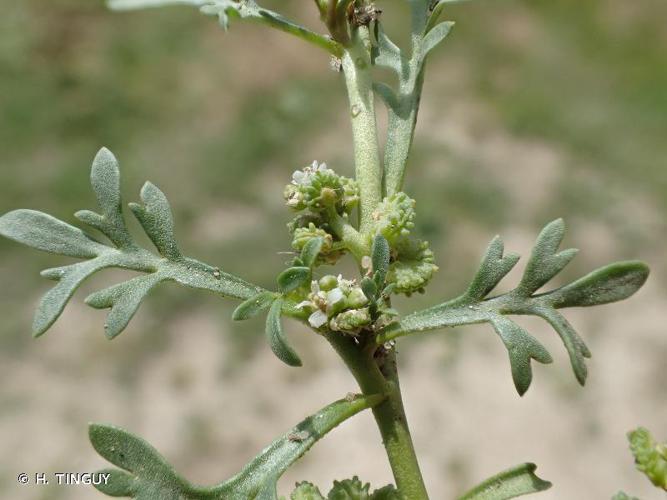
353	240
357	68
277	21
389	415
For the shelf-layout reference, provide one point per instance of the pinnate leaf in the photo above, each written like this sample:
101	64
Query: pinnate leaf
44	232
608	284
145	475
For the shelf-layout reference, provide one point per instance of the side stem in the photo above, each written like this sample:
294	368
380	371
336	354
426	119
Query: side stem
357	69
375	378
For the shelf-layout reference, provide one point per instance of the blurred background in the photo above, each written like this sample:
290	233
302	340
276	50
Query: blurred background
532	110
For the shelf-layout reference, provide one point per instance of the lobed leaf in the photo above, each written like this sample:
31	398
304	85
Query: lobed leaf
47	233
512	483
494	267
521	347
608	284
124	300
146	475
386	53
545	262
69	279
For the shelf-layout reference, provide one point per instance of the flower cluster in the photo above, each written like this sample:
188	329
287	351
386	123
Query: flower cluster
330	252
650	457
394	217
317	187
337	304
412	262
319	194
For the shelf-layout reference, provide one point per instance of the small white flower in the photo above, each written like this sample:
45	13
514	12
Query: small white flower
317	319
299	177
334	296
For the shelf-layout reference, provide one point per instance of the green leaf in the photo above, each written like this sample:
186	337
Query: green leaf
292	278
258	479
574	344
369	288
276	336
118	484
608	284
436	35
388	96
253	306
148	476
311	250
512	483
380	255
247	9
521	347
494	267
124	299
69	279
386	53
47	233
545	262
156	218
611	283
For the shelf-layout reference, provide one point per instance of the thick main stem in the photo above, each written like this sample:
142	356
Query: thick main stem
357	68
389	415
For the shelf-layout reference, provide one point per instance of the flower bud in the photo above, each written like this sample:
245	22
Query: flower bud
328	282
394	217
413	267
351	321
